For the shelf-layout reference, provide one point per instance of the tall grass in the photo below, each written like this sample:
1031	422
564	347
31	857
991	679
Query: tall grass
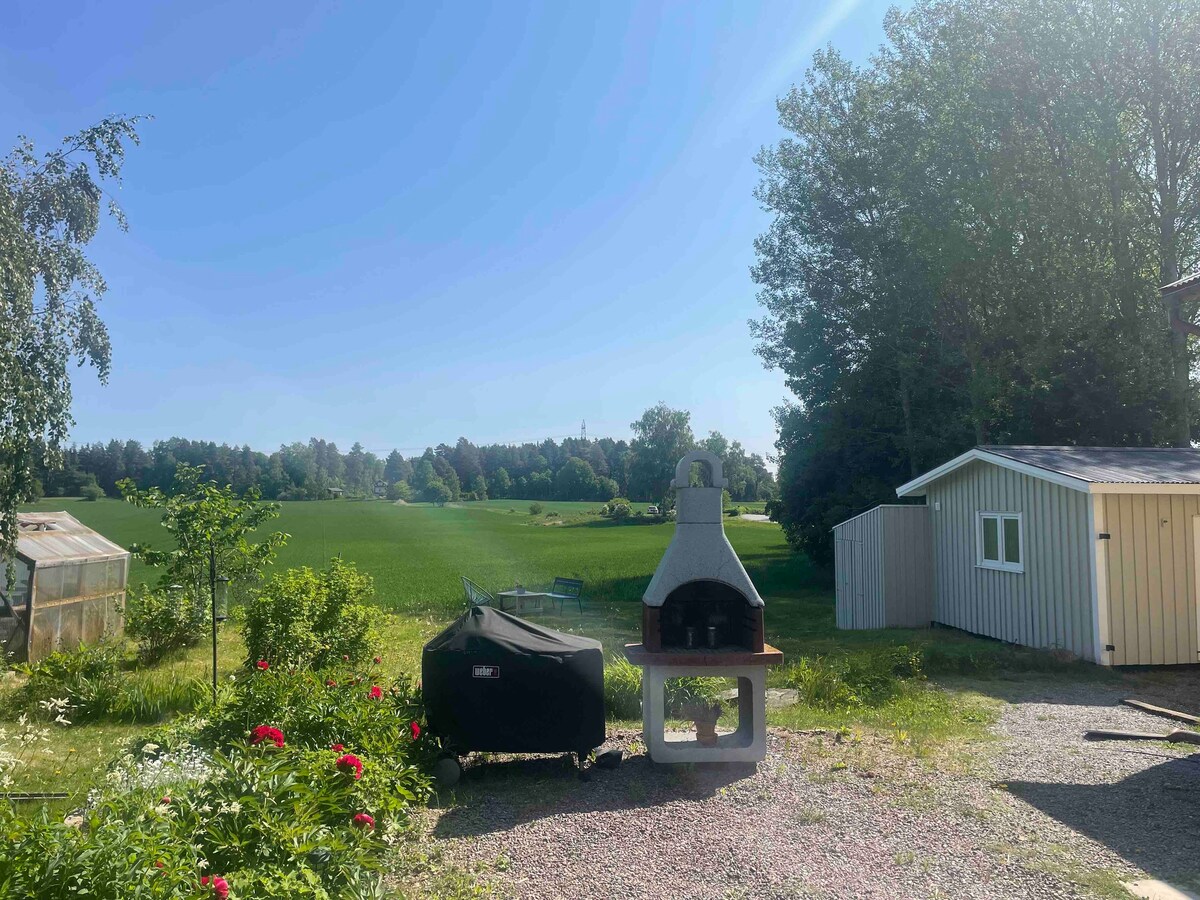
416	553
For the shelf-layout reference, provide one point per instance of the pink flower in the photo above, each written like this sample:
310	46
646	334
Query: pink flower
378	660
337	748
345	658
266	733
415	729
263	665
165	800
330	683
362	820
220	887
349	763
376	693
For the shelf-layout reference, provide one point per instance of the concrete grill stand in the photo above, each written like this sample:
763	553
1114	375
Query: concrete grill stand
701	616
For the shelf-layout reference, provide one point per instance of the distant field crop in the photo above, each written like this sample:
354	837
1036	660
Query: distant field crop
416	553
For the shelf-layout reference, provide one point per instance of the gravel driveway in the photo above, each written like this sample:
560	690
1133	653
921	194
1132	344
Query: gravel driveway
1038	813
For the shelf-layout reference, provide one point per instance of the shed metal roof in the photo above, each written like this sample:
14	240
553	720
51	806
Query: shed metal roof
1090	469
1186	283
1112	465
56	538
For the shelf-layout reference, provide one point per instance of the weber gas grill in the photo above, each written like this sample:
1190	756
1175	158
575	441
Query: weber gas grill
494	682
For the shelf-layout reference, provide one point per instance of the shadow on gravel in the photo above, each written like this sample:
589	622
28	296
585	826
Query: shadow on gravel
1151	819
497	796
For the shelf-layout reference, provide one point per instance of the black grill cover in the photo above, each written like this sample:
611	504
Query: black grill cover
494	682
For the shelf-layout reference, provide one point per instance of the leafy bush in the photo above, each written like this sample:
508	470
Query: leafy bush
92	492
618	508
308	618
267	822
165	619
623	691
852	680
91	684
399	490
535	509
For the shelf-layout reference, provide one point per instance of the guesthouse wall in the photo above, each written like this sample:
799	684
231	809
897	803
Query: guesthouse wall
1051	603
1149	563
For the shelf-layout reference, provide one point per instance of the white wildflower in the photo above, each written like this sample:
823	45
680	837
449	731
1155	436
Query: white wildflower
62	720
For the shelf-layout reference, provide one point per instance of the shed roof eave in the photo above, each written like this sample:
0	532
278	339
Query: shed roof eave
917	487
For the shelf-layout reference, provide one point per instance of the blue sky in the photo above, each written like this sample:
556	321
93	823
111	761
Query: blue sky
401	223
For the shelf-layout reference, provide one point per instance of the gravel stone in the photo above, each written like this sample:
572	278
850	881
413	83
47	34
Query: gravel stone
825	817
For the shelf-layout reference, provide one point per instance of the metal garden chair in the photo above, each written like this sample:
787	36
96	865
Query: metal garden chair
476	596
566	589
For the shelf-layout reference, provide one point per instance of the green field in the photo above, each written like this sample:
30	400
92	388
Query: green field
417	552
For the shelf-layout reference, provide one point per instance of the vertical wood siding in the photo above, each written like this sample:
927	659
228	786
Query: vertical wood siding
1150	563
882	562
1050	603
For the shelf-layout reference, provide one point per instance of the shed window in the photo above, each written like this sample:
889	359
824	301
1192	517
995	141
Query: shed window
1001	541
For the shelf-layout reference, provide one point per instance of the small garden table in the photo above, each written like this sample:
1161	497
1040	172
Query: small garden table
518	596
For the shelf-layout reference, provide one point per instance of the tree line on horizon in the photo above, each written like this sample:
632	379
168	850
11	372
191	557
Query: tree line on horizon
969	232
572	469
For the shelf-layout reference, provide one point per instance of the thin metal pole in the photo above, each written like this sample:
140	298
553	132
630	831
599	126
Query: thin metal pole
212	589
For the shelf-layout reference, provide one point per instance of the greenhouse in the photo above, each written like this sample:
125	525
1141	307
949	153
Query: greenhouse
69	587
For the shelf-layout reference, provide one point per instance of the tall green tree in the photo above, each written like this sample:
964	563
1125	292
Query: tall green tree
50	210
661	437
967	237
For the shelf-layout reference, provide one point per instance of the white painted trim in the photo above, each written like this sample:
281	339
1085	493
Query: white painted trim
880	506
1098	559
999	565
916	487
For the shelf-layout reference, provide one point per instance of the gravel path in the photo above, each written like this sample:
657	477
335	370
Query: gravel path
1029	816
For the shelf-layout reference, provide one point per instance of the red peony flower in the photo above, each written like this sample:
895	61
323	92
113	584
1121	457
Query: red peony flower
220	887
263	664
376	693
415	729
266	733
338	748
160	865
349	763
165	800
378	660
362	820
330	683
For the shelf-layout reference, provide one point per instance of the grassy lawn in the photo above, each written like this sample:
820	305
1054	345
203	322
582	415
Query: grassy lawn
416	553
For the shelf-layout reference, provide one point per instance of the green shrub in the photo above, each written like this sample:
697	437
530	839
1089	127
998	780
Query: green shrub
92	492
307	618
856	679
165	619
623	691
91	684
535	509
618	508
270	822
552	515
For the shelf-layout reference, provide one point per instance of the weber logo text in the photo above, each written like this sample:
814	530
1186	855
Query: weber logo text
486	671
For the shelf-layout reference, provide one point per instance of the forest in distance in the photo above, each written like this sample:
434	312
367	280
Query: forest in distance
570	469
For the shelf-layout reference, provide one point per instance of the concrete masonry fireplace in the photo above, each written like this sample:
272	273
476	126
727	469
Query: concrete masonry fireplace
701	616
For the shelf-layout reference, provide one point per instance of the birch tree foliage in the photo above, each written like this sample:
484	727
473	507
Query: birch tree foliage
51	206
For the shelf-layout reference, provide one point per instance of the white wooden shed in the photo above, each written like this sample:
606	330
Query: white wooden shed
882	560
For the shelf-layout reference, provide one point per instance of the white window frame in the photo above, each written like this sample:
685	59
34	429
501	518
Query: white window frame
999	565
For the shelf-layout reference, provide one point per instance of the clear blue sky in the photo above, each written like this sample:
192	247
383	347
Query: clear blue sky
398	223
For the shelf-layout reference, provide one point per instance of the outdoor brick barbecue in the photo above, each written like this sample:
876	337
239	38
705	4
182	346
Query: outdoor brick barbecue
701	616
